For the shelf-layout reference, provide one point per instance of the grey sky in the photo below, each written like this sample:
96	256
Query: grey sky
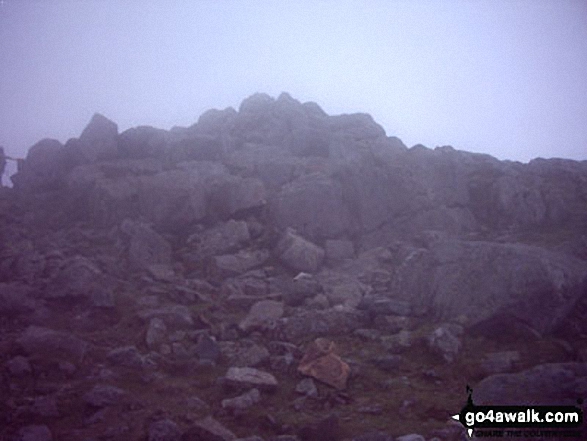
507	78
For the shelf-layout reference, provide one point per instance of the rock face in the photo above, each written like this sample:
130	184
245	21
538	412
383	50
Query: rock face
223	259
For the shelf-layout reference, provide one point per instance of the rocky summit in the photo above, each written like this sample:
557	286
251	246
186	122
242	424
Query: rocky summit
277	273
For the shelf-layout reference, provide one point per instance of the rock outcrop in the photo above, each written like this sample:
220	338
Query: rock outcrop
141	268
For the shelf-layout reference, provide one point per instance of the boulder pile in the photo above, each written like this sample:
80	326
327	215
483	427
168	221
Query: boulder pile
279	273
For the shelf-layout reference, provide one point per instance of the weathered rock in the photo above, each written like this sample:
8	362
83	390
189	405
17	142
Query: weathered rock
208	429
545	384
500	362
45	167
156	333
250	356
312	205
127	356
221	239
298	253
263	315
242	402
207	349
164	430
300	327
99	140
247	377
445	341
341	289
173	199
102	395
231	265
142	142
323	364
307	387
47	343
230	195
485	282
146	247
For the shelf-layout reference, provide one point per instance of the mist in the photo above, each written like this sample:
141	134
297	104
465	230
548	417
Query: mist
505	78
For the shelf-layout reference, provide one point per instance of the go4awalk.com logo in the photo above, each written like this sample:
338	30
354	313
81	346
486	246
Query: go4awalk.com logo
521	421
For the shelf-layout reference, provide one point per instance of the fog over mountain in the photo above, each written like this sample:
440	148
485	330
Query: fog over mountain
276	272
499	77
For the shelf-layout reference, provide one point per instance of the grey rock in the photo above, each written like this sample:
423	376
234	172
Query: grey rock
34	433
231	265
500	362
173	199
250	377
312	205
102	395
44	342
127	356
156	333
298	253
511	283
230	195
44	168
307	387
221	239
251	356
341	288
208	429
242	402
99	140
207	349
445	342
312	324
146	247
164	430
262	315
544	384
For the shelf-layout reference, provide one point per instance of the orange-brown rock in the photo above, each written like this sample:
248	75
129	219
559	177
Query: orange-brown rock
321	363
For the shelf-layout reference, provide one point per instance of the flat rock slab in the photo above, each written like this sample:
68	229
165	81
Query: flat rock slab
262	315
321	363
208	429
248	377
46	342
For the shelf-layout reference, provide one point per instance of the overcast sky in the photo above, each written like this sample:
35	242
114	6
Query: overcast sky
508	78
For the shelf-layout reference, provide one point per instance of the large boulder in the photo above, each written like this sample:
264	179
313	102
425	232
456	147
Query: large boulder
545	384
99	140
45	167
145	246
313	205
486	283
298	253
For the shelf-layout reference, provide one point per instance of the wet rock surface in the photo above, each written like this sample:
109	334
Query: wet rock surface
278	273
